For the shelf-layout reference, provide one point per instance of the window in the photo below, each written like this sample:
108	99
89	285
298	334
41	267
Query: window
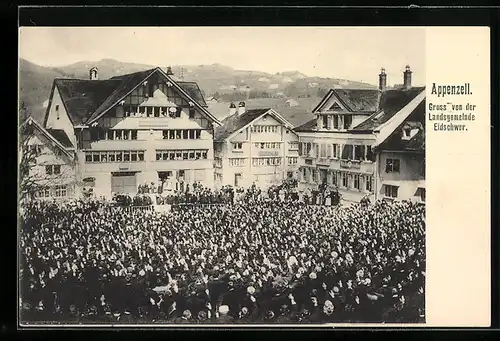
266	161
111	156
356	181
422	194
316	150
334	178
325	121
88	157
323	150
191	113
370	156
164	155
345	180
133	156
292	160
36	149
335	122
57	111
314	175
197	134
60	191
119	156
126	156
368	184
392	165
237	146
44	193
391	191
178	112
359	152
347	121
237	162
156	111
294	146
52	169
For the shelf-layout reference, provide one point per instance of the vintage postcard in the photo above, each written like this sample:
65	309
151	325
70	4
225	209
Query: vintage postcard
262	176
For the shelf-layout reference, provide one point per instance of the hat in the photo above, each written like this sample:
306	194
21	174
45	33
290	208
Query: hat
223	309
270	314
244	310
313	275
251	290
186	314
202	315
328	303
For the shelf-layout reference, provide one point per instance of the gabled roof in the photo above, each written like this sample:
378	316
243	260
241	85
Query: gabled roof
194	91
355	100
82	97
308	126
127	83
31	122
61	136
87	100
415	106
391	101
395	142
236	122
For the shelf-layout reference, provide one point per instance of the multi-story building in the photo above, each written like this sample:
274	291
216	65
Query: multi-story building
49	159
337	146
400	154
144	127
254	146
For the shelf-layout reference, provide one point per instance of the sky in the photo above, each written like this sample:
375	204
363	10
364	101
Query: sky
354	53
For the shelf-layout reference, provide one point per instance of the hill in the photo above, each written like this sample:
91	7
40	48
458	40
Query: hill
217	80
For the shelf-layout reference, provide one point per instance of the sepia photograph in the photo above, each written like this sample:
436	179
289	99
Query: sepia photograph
222	175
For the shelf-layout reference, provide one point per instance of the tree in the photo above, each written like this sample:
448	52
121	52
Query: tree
30	181
23	112
28	184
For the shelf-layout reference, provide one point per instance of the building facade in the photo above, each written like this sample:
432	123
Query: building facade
50	161
254	146
145	127
400	152
331	152
338	146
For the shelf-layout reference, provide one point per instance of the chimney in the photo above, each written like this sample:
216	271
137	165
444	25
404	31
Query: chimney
382	80
241	108
407	77
93	74
169	71
232	109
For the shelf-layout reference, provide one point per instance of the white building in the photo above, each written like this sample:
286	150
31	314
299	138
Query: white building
133	129
338	146
254	146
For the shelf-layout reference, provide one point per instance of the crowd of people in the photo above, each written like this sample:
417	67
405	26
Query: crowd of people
259	260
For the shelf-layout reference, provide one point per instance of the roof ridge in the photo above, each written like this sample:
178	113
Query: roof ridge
133	73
